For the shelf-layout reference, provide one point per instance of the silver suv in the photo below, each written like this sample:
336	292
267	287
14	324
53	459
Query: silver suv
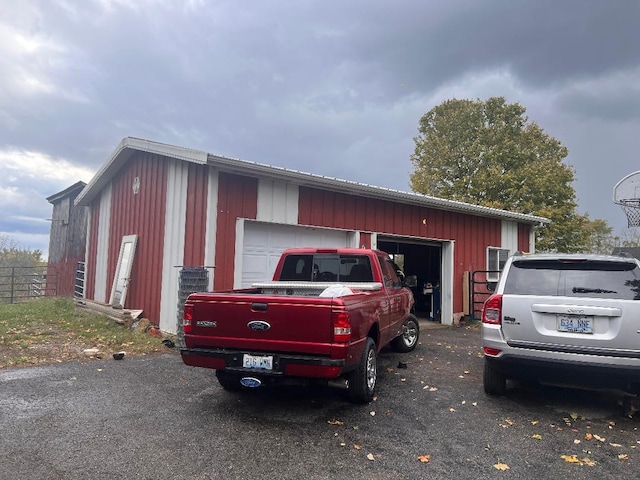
567	319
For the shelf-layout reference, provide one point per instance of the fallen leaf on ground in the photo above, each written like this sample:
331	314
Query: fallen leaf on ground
335	422
536	436
373	414
357	447
623	456
571	459
578	461
424	458
452	410
576	441
501	466
615	444
371	457
599	438
534	422
588	437
475	404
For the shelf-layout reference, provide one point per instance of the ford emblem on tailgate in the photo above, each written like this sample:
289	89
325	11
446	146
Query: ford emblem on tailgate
250	382
258	326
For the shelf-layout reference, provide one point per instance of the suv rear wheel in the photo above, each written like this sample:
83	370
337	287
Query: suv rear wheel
495	383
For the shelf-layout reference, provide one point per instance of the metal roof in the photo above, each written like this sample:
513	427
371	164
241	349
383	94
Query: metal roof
129	145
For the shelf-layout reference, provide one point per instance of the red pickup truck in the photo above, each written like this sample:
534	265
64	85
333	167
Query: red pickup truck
324	317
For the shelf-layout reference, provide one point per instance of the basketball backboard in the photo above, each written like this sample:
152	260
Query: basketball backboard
626	193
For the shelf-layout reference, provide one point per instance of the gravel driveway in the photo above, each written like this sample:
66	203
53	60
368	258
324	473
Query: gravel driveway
154	418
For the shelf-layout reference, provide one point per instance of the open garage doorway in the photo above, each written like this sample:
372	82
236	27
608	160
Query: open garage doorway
431	262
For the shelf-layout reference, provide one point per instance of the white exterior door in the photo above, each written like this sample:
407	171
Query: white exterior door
263	243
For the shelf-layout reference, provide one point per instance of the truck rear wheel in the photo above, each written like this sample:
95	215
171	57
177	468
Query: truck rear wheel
362	381
408	340
229	381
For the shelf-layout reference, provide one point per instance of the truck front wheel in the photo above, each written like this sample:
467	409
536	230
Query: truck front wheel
362	381
408	340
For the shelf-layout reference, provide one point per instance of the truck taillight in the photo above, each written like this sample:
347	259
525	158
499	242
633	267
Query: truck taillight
492	310
341	327
187	318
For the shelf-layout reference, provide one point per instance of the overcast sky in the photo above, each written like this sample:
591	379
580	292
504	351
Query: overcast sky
330	87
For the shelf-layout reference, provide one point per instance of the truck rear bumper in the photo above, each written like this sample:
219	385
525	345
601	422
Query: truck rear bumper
283	364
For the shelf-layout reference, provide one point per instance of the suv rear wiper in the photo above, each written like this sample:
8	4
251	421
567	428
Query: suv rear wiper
591	290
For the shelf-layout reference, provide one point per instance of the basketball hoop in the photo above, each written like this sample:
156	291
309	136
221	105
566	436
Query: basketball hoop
631	209
626	193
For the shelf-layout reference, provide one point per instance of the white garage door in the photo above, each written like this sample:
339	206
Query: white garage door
264	242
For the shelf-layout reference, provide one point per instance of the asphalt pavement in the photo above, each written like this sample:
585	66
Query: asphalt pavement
154	418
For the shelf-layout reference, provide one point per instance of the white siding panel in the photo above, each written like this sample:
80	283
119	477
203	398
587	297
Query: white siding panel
509	236
173	253
277	202
102	255
259	246
212	222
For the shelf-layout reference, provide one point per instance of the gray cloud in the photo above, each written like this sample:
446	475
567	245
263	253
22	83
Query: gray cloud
329	87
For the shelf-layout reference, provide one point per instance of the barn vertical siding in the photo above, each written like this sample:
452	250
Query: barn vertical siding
103	283
471	233
237	198
140	214
523	238
196	215
92	251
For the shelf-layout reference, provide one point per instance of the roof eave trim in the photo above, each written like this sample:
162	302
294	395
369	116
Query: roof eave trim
351	187
125	149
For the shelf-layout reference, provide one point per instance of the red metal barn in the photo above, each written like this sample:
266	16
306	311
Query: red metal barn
156	208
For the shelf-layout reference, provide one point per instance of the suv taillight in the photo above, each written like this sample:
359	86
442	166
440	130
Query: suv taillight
187	318
341	327
492	310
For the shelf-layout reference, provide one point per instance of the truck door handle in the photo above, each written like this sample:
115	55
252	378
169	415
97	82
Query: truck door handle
259	307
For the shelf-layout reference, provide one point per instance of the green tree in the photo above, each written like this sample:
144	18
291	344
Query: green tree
487	153
12	254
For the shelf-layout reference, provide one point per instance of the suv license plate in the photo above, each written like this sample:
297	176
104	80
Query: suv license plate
575	324
261	362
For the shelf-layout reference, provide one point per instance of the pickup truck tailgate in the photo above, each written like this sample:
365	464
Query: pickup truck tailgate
262	323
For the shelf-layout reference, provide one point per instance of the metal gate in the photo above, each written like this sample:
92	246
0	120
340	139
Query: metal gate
19	284
482	285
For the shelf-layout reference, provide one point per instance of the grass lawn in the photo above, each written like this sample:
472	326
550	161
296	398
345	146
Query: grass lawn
52	330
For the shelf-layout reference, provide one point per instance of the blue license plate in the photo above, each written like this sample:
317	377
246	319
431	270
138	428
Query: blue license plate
575	324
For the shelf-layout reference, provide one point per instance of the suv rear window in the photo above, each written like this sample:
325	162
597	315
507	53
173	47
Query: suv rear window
558	277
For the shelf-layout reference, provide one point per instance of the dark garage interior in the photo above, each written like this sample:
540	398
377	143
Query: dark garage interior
425	261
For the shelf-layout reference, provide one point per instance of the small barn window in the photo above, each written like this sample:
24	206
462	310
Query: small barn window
496	258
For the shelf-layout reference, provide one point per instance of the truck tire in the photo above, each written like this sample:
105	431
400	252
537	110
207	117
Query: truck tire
495	383
362	381
229	381
408	340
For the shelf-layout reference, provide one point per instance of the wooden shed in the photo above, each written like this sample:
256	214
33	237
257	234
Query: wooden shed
67	239
155	209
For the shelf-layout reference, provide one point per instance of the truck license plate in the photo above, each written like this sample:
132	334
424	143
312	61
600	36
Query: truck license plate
575	324
262	362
